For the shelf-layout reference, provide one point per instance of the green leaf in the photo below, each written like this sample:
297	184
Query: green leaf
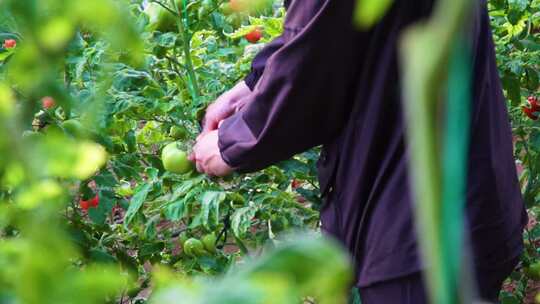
241	220
105	179
101	256
512	86
510	300
210	207
369	12
131	141
318	267
150	249
137	201
530	44
106	202
176	210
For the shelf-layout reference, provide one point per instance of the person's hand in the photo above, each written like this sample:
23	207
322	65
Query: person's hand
207	156
226	105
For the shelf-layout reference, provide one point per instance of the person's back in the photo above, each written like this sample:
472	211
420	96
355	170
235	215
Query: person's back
327	83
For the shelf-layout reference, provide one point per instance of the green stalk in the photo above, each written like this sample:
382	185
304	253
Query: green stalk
183	28
426	50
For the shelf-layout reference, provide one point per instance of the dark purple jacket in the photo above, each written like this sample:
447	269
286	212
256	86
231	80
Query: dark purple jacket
325	83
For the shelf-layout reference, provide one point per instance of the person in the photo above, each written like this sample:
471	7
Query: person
324	82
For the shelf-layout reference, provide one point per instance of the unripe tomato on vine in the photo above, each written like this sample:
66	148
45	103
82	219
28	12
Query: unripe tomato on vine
209	242
194	247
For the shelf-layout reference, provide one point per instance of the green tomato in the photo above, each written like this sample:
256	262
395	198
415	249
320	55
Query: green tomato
225	8
73	127
175	160
193	247
124	189
533	271
161	19
182	238
209	242
178	132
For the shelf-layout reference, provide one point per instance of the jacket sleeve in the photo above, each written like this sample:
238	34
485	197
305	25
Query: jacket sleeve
300	101
259	62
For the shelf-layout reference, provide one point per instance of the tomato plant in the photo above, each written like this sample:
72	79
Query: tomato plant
516	27
100	103
128	93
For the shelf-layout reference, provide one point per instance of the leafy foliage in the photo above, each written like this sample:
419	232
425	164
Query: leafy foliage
92	92
516	27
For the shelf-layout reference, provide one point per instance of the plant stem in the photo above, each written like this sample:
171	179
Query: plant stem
186	48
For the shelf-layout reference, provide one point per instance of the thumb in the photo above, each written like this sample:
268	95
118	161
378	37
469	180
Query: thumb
209	126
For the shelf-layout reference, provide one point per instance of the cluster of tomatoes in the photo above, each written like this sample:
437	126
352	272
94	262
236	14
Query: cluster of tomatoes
195	248
533	110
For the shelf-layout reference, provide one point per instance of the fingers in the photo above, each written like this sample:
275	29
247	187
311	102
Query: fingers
191	157
199	167
209	125
207	157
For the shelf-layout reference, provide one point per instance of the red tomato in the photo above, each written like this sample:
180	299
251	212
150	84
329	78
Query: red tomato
10	43
48	102
533	102
530	113
295	184
94	202
85	205
254	36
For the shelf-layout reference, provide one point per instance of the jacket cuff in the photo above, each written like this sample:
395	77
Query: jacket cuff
235	139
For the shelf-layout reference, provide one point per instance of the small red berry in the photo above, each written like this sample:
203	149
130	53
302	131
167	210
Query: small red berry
94	203
295	184
85	205
254	36
10	43
533	102
530	113
48	102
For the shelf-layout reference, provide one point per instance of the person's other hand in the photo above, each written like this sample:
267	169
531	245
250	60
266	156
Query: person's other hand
226	105
207	156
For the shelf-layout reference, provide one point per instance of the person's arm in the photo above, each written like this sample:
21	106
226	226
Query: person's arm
224	107
234	99
259	62
300	101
